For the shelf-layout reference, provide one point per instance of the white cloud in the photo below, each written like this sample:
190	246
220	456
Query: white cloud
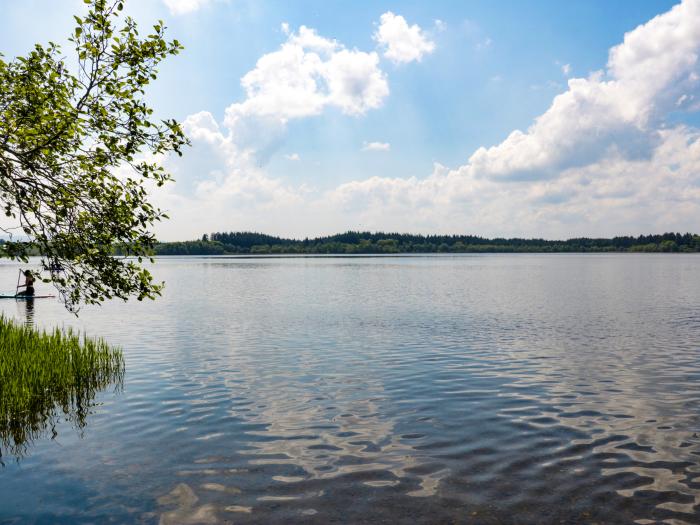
182	7
402	43
376	146
308	74
609	197
226	173
566	69
616	112
603	159
355	82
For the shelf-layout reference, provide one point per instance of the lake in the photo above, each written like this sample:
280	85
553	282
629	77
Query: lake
478	389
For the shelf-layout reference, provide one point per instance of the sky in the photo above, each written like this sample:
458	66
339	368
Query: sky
496	118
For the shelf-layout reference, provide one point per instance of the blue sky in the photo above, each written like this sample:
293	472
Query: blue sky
400	155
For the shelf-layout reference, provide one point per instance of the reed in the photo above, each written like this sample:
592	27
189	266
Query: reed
46	376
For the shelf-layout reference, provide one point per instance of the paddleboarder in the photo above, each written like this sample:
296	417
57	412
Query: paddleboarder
28	284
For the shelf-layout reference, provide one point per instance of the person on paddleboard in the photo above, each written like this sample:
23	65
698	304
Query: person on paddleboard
28	284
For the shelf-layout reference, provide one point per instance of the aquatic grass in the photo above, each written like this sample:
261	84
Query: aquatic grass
46	375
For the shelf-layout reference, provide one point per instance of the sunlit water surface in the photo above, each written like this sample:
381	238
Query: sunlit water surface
480	389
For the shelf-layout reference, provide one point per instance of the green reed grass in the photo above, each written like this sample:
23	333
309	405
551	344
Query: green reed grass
49	375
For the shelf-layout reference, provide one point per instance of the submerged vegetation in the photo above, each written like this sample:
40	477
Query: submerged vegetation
368	243
49	376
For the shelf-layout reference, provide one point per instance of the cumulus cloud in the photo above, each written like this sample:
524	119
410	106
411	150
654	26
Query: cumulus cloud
601	159
608	197
181	7
308	74
226	173
376	146
604	158
618	111
402	43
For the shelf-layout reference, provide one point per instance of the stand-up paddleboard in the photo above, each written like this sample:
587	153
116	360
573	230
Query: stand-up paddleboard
27	297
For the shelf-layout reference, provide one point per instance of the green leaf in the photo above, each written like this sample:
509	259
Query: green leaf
73	131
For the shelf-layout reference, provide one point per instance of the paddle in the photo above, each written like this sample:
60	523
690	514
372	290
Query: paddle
18	278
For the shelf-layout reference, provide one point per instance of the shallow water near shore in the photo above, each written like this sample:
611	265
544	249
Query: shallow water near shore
478	389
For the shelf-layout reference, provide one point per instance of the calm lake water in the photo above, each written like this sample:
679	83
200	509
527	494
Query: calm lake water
475	389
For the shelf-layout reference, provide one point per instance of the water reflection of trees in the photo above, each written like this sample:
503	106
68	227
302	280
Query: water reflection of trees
47	378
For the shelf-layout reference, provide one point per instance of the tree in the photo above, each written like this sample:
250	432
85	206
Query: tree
78	153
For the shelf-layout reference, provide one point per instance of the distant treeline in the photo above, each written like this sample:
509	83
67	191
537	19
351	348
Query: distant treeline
368	243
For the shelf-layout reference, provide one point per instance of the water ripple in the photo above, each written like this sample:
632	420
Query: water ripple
489	389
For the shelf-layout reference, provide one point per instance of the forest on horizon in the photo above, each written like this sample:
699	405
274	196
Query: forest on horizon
355	242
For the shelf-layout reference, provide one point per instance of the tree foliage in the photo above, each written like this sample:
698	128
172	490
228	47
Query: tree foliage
79	149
